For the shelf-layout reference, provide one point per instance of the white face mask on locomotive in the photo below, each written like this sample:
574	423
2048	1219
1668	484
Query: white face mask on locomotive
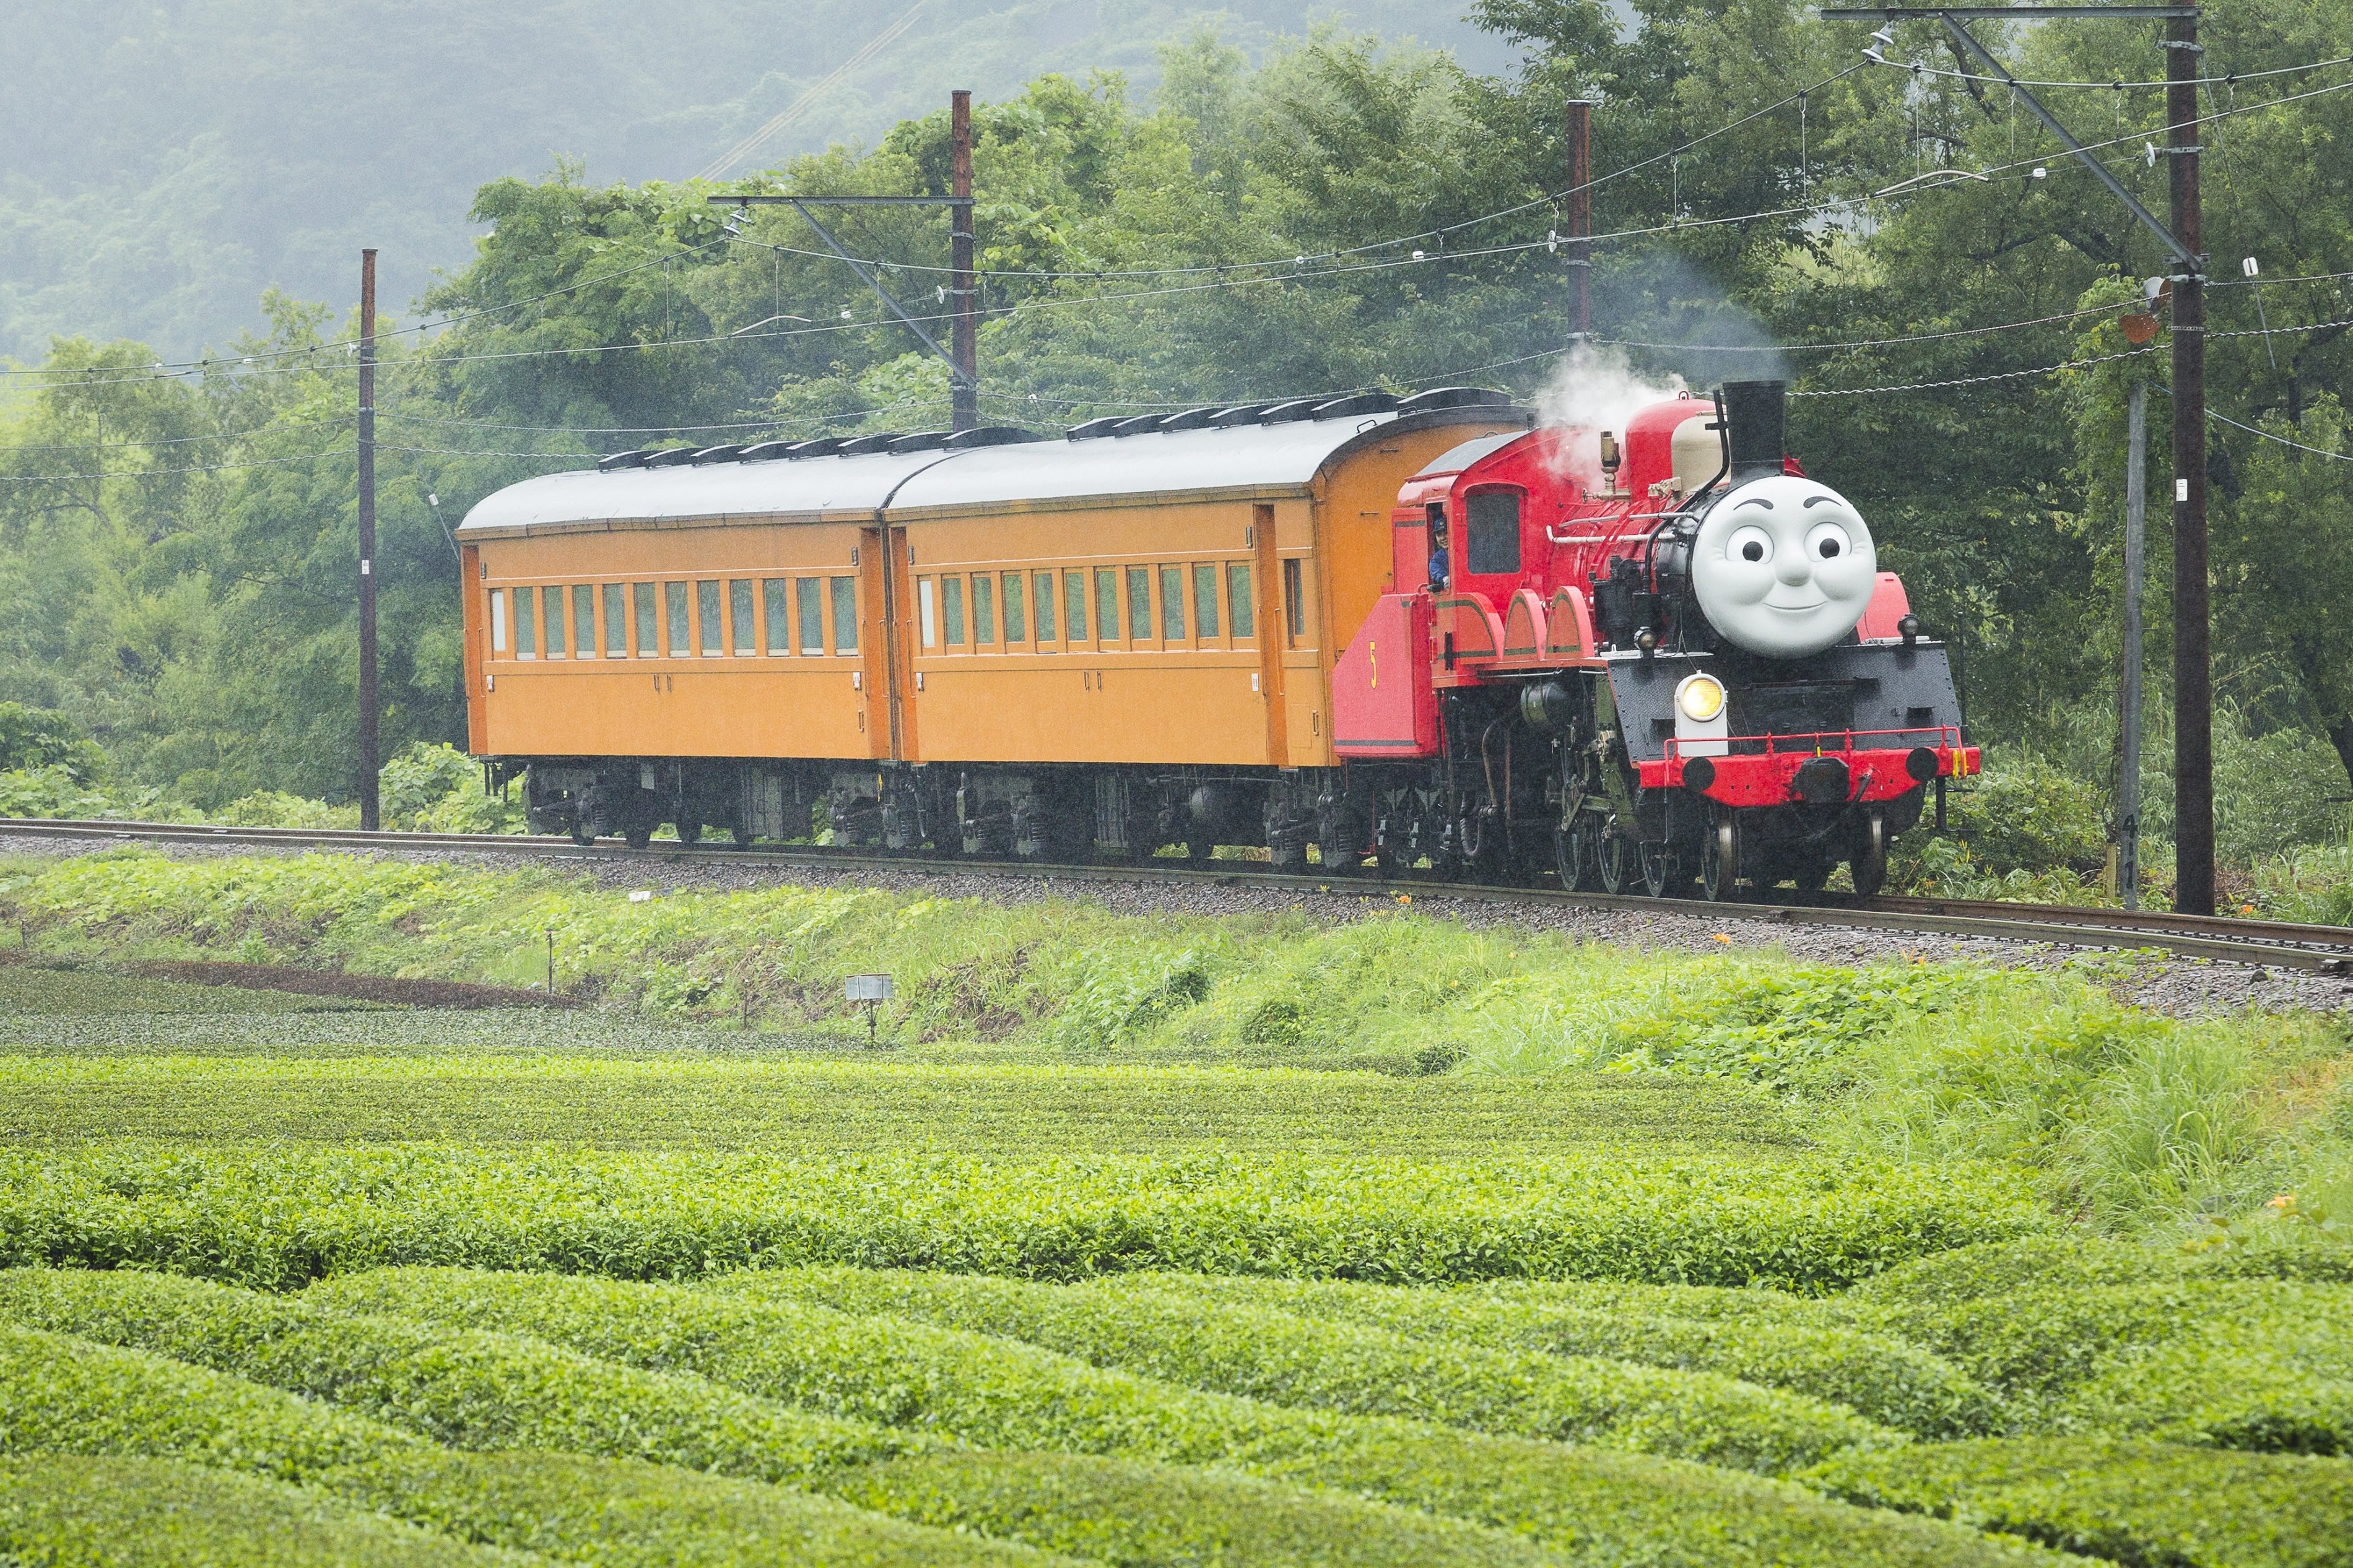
1783	566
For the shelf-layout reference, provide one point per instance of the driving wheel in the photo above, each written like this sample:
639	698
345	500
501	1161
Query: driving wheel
1719	858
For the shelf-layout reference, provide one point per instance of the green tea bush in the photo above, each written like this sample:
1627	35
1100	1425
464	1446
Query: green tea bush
1595	1505
277	1216
462	1387
2123	1500
1145	1328
77	1512
1882	1378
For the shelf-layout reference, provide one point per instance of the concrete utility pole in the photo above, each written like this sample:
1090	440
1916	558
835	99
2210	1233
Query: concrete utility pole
369	763
2129	720
1579	218
2194	689
966	404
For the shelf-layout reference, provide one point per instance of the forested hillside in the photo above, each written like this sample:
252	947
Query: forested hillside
162	163
1346	212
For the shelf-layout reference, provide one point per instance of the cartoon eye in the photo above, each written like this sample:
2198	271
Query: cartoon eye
1750	544
1827	540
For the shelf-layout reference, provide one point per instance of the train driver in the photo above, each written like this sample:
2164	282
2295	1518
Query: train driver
1439	568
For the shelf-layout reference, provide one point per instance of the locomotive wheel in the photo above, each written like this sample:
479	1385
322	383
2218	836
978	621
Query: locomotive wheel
1719	859
1870	862
1658	869
1573	859
1202	851
1811	875
1611	859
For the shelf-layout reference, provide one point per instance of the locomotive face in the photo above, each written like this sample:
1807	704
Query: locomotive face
1784	566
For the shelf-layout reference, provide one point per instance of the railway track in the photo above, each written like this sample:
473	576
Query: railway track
2326	950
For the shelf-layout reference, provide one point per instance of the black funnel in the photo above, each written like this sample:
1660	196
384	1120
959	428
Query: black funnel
1758	415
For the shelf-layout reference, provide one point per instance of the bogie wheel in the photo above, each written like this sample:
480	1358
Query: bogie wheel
584	831
741	837
1658	868
1719	858
1572	857
690	832
1613	860
1200	849
1868	864
637	837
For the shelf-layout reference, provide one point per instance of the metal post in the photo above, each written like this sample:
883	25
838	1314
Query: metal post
2193	694
967	406
1579	216
369	802
2128	748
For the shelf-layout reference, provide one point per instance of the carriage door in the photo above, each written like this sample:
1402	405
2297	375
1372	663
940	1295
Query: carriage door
877	654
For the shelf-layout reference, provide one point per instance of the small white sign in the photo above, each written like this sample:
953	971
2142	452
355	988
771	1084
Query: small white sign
870	988
2182	489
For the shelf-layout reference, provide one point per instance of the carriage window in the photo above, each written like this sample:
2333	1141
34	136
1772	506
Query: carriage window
675	592
739	612
1074	603
1205	601
645	641
1106	603
1238	599
498	620
1015	628
1139	603
1045	606
616	620
552	600
984	611
951	609
812	609
706	597
1295	600
1495	529
845	615
526	640
583	619
926	603
1172	603
773	600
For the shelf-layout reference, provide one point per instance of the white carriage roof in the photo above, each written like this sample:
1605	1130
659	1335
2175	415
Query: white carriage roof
1259	460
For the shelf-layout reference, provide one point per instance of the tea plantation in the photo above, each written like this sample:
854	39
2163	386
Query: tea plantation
1142	1241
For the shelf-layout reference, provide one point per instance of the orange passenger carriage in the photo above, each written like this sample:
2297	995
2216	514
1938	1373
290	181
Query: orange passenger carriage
1219	626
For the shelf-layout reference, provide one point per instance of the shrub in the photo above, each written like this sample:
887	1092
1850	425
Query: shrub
279	1216
2129	1501
462	1387
1885	1379
1145	1328
1998	1268
75	1512
1597	1506
35	738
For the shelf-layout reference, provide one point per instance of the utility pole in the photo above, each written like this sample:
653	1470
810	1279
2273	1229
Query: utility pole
966	404
2193	691
369	804
1579	216
2135	546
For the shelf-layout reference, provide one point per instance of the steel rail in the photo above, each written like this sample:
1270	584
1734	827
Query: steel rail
2269	943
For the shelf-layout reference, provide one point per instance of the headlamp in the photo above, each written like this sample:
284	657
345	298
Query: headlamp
1701	697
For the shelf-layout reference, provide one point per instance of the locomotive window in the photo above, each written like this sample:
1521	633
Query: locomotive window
1016	630
1295	600
1172	603
498	620
1045	606
551	599
812	609
845	615
647	641
675	607
739	613
583	619
1139	603
1238	599
1205	601
1074	604
616	620
773	600
951	609
526	640
984	611
1494	529
926	604
706	597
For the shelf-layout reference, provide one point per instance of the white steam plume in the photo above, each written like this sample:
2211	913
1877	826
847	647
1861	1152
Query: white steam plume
1596	389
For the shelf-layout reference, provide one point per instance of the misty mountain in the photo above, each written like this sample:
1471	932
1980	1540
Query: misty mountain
162	164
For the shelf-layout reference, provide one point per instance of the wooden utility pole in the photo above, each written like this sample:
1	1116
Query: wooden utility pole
2128	718
1578	217
2193	691
369	763
967	344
